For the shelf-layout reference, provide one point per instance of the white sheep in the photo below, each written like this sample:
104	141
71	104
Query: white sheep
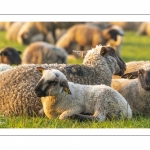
99	64
100	100
136	91
43	52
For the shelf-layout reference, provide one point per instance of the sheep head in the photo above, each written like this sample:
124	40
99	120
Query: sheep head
143	76
107	51
51	83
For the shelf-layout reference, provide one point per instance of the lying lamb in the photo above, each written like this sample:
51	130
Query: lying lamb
136	91
98	66
100	100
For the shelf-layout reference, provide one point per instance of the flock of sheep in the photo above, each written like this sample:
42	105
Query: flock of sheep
43	83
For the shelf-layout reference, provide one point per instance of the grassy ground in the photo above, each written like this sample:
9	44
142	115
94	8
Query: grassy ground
134	48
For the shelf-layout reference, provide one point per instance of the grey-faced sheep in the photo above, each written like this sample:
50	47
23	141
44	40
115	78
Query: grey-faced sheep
13	30
9	55
136	91
89	36
100	100
43	52
98	66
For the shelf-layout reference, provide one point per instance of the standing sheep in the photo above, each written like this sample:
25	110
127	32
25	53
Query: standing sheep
42	52
63	98
144	29
12	32
89	36
136	91
10	56
98	66
38	31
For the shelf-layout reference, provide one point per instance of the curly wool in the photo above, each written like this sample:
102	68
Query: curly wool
17	85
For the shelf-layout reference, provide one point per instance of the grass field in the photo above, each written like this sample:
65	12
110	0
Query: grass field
134	48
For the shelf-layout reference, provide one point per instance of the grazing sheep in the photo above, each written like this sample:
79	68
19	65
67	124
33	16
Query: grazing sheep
43	52
12	32
144	29
63	98
136	91
89	36
10	56
132	66
98	66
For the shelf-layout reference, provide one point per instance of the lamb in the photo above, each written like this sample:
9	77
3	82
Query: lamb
10	55
98	66
89	36
43	52
12	32
136	91
132	66
100	100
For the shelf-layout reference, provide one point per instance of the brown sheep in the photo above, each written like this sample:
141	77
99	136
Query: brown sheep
10	56
38	31
87	36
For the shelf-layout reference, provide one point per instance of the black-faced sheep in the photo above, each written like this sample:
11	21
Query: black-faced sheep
98	66
64	99
10	56
43	52
89	36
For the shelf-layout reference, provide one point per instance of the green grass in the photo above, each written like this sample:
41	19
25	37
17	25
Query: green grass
134	48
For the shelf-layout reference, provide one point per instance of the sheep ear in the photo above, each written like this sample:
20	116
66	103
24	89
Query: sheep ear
131	75
80	53
103	51
64	84
40	69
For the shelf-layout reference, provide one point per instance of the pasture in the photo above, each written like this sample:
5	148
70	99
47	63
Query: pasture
134	48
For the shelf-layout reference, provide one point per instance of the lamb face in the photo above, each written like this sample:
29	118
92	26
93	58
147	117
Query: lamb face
51	83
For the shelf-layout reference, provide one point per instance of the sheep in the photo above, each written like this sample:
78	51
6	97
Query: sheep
135	91
98	66
38	31
132	66
100	100
144	29
10	55
89	36
12	32
43	52
5	25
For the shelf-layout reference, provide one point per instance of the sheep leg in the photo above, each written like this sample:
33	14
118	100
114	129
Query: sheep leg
69	113
95	117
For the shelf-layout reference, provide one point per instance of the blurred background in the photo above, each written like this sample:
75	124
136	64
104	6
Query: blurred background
54	42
